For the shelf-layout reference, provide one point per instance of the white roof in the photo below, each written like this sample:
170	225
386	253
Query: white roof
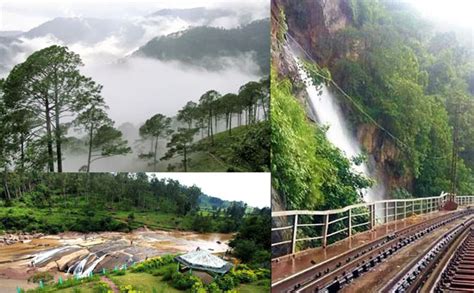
203	258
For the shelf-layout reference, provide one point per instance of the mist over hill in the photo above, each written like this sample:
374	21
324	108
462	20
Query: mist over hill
200	46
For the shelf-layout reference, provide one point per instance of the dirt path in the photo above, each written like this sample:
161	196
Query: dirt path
111	284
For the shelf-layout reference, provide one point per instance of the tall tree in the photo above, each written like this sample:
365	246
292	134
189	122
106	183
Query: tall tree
155	128
250	93
180	143
107	142
95	122
230	106
206	102
49	85
188	113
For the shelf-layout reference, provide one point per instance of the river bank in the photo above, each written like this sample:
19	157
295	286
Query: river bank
82	253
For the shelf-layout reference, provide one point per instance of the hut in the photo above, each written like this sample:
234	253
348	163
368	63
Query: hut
202	260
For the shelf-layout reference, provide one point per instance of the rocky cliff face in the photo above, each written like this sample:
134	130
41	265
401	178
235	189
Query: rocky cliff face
313	24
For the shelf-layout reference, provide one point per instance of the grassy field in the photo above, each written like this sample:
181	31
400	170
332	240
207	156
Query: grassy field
217	157
143	282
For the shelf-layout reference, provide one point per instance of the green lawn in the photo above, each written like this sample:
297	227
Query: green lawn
84	288
143	282
252	288
209	157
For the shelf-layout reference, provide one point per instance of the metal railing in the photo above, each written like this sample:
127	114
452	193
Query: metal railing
320	228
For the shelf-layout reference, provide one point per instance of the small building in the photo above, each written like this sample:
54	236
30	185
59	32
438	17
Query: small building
202	260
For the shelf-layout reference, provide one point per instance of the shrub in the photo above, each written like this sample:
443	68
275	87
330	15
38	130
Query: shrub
226	282
214	288
245	276
152	264
101	287
41	276
184	281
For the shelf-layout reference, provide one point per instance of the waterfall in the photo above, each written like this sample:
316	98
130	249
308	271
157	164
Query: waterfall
44	256
327	111
79	267
92	266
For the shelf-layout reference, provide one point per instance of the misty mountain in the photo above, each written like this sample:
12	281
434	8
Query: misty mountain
203	45
10	33
194	14
72	30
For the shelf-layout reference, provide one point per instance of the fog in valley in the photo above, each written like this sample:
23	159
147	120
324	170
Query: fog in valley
107	36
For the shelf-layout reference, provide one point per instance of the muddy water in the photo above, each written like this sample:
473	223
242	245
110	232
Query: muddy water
83	253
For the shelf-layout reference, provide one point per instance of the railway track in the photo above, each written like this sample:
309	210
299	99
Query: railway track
331	275
459	274
446	266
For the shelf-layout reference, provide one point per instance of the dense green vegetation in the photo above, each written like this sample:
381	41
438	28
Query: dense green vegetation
52	203
160	274
307	170
204	45
413	81
46	97
417	83
38	100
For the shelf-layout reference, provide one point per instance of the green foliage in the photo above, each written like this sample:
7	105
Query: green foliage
305	166
203	45
41	276
151	265
295	171
227	282
251	245
185	281
410	80
252	150
101	287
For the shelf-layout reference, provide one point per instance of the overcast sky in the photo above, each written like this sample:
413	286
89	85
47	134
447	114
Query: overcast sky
251	188
26	14
455	12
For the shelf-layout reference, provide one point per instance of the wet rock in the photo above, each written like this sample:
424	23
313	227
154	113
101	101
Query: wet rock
69	259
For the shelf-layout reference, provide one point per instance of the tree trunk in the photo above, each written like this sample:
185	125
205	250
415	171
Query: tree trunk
154	154
89	155
58	131
5	184
215	123
230	124
264	110
210	123
185	160
49	138
22	150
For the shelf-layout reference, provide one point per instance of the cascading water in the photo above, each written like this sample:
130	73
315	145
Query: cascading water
46	255
327	111
91	268
79	267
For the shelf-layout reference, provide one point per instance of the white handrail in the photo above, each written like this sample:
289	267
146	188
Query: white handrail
390	210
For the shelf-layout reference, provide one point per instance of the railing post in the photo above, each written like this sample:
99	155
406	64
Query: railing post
373	216
350	223
404	209
295	230
386	212
325	231
370	217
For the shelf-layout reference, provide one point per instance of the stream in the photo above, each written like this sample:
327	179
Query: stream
80	254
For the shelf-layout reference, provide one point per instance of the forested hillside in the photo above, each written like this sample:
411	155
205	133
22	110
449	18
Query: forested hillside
50	112
405	88
204	45
53	203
